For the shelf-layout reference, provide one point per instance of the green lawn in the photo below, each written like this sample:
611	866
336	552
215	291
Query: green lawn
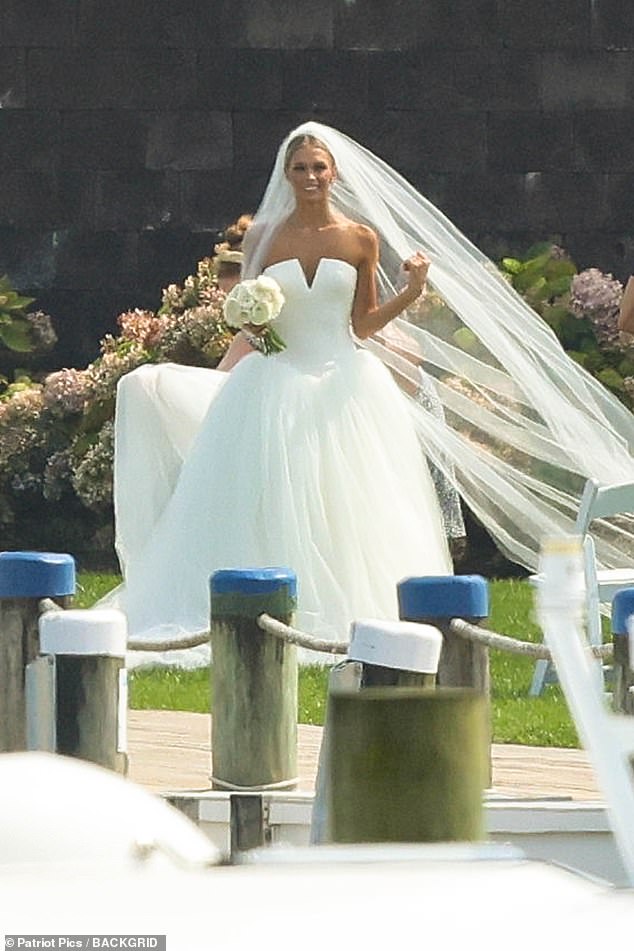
517	718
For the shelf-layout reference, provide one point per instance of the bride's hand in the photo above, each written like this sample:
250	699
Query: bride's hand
417	267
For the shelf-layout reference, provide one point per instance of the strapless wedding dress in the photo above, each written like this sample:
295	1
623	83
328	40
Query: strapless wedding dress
307	458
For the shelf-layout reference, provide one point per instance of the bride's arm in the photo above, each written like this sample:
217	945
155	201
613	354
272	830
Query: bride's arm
238	348
367	316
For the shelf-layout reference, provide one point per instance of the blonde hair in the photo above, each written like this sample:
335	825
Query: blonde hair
298	142
228	254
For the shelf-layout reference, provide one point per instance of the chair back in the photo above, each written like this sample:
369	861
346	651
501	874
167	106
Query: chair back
601	501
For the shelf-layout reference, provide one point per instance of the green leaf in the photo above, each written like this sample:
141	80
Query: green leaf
512	265
540	290
626	367
559	285
538	249
95	415
17	303
611	379
17	336
560	267
578	357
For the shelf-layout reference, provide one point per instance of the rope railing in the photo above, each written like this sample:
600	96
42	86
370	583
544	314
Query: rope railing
292	635
513	645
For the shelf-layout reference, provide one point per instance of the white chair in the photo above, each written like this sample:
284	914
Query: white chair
607	737
602	501
597	501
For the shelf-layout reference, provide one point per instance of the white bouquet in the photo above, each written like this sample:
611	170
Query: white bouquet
252	305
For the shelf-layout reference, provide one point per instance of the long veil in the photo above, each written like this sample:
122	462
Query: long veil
524	426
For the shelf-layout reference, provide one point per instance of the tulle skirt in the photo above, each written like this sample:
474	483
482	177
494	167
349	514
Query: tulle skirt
315	469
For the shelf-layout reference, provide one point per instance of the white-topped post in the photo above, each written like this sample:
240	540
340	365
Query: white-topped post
84	653
395	653
381	654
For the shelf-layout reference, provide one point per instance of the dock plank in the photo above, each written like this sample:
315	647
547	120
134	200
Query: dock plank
170	751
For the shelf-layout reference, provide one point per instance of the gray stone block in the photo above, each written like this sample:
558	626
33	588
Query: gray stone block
95	259
29	139
497	244
30	199
12	78
409	24
376	25
429	141
131	200
77	193
620	201
498	79
604	140
242	79
407	80
529	142
82	316
316	79
613	24
542	24
167	256
280	24
246	189
119	23
564	201
190	140
601	80
104	138
611	251
258	135
479	201
111	79
28	256
37	23
459	25
209	201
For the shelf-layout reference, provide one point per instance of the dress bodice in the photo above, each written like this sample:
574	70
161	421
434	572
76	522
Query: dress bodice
314	322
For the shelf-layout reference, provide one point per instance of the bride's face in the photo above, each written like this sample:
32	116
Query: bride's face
310	172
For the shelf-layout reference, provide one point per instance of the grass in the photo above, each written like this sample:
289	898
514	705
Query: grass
517	718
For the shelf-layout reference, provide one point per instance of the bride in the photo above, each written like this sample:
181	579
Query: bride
307	458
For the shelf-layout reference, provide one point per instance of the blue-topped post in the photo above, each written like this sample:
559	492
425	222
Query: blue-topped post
25	578
254	695
437	601
623	660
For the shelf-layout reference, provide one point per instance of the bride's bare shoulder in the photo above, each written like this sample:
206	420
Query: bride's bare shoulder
361	241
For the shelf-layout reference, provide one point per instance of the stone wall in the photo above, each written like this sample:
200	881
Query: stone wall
131	132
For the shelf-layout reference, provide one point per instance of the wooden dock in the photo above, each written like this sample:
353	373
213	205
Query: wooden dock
170	751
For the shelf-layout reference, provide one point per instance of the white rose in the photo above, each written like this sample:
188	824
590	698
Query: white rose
260	313
266	288
254	302
233	311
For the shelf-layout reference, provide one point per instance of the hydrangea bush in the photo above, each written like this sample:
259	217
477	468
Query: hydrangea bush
56	433
583	309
